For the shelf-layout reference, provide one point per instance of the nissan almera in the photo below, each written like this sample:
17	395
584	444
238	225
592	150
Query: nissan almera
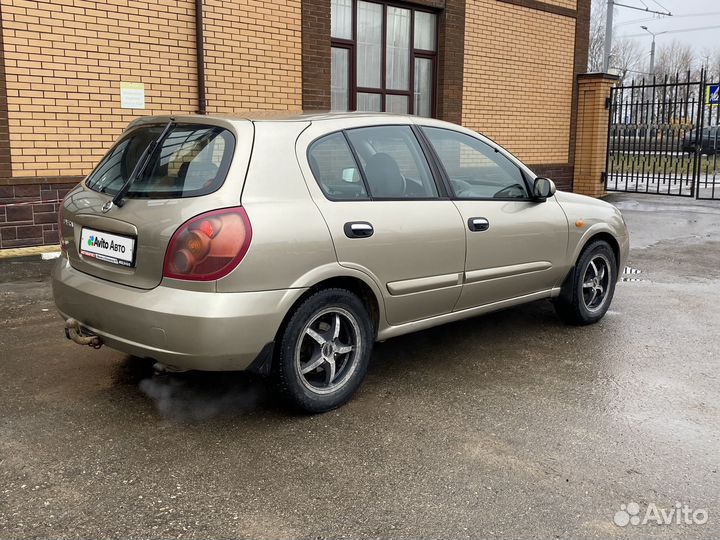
289	246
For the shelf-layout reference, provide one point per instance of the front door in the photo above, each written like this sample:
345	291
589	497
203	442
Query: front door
515	245
386	218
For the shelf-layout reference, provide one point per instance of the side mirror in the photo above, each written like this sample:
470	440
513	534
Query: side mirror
543	188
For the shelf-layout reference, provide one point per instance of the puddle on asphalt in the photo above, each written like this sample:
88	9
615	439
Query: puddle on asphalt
631	274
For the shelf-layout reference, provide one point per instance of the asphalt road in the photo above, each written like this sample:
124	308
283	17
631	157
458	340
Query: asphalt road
508	425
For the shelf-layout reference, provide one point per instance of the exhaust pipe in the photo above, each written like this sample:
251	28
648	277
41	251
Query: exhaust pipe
74	333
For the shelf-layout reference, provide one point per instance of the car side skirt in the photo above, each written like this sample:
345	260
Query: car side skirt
414	326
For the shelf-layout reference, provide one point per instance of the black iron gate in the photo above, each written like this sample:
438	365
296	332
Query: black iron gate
663	138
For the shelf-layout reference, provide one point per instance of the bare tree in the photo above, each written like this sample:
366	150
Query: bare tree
713	66
597	37
628	59
626	55
674	58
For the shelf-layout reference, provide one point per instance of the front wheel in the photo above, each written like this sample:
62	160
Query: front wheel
587	292
324	351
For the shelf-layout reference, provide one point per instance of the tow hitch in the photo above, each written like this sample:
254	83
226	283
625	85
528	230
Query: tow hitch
75	333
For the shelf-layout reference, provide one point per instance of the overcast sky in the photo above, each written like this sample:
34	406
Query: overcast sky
687	14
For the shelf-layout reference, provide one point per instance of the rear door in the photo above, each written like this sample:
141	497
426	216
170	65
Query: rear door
387	217
515	245
193	171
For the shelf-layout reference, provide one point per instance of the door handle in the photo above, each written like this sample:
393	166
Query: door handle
358	229
477	224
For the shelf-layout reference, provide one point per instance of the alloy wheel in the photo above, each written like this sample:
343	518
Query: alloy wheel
596	283
328	349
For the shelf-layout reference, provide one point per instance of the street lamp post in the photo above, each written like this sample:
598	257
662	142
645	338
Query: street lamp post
652	48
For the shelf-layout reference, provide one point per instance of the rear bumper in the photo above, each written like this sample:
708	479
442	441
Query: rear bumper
206	331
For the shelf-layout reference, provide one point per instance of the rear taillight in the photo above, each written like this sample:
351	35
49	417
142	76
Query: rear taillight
61	224
208	246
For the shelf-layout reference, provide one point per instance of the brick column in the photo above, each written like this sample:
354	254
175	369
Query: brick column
592	131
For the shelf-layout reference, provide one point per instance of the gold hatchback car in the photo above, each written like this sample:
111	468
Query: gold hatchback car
287	246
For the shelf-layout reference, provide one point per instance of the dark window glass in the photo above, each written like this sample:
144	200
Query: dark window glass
393	162
476	170
193	160
334	168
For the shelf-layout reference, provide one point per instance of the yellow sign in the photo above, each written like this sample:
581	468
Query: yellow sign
132	95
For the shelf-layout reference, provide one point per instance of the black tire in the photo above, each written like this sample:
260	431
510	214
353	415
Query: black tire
298	349
576	304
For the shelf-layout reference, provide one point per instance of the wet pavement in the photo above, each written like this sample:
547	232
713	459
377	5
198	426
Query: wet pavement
508	425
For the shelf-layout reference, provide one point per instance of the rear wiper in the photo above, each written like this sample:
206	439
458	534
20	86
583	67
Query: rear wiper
140	165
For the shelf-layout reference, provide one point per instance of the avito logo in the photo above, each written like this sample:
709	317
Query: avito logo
96	241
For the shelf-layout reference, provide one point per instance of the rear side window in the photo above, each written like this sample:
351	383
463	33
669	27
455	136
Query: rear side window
393	162
192	160
335	169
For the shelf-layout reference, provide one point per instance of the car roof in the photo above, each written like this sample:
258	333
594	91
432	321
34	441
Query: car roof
327	122
282	116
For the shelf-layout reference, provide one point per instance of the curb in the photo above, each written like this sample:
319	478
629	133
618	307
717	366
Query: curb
43	253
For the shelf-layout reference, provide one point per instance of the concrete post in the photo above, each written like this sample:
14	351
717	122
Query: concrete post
592	132
608	35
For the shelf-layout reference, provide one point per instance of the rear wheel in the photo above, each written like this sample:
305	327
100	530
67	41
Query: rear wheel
324	351
588	290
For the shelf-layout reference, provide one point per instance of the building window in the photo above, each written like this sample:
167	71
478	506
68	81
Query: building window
384	58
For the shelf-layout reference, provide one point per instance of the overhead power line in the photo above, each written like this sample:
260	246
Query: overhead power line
645	9
609	25
676	16
661	6
706	14
699	28
635	21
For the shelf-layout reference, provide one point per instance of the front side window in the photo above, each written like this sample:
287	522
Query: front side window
393	162
384	58
475	169
192	160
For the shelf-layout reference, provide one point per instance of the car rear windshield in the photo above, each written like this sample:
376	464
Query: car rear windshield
192	160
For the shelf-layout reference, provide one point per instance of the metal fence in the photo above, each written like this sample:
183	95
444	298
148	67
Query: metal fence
663	138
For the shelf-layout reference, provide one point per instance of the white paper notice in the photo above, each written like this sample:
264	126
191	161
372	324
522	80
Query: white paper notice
132	95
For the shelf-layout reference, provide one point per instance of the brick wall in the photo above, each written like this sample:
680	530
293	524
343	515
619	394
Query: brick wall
582	46
30	224
4	129
561	173
316	55
64	62
591	147
61	64
518	77
451	49
253	55
569	4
